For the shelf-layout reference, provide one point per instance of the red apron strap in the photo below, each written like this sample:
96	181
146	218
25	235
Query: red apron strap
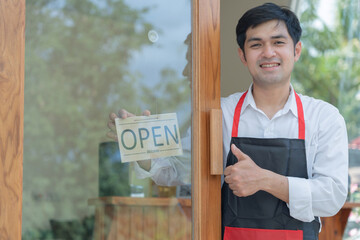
301	118
237	115
300	111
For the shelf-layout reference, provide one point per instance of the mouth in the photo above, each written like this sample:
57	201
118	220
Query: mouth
269	65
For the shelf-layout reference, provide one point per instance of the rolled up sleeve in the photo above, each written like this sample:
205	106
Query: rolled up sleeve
324	193
300	204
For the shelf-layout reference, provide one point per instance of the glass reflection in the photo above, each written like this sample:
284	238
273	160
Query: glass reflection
83	60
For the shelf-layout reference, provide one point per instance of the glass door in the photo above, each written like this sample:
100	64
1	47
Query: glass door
83	61
92	59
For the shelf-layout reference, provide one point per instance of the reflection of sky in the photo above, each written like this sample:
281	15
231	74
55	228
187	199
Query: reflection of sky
172	21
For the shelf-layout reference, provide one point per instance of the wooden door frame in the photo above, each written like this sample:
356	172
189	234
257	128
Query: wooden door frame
206	198
12	54
206	188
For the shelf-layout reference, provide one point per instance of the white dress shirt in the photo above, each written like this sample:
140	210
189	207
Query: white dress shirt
326	143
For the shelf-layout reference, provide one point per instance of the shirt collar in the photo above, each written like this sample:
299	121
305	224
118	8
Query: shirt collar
290	104
249	100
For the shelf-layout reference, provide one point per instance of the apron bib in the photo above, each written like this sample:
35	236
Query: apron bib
261	215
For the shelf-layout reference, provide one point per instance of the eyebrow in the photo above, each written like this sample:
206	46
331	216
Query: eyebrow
253	39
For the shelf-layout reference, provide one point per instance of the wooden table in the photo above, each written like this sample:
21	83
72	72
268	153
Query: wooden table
142	218
333	228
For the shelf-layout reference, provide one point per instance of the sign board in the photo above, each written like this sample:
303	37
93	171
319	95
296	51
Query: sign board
148	137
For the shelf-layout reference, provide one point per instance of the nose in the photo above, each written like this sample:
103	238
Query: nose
269	51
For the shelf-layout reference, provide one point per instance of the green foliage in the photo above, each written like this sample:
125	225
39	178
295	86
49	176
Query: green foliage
113	174
327	68
76	70
77	57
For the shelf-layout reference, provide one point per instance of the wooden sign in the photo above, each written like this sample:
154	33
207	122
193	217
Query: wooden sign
148	137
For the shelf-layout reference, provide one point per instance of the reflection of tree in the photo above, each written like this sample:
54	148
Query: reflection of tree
168	95
77	71
328	66
77	54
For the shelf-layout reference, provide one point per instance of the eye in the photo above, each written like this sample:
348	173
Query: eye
255	45
279	43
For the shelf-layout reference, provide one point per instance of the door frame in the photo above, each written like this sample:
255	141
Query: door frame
206	197
206	188
12	53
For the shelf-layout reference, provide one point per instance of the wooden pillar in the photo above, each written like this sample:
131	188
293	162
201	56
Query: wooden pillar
206	188
12	50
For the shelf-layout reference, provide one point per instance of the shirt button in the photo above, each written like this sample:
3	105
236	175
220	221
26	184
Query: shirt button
267	132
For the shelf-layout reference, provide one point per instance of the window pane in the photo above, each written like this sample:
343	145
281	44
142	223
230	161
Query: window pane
85	59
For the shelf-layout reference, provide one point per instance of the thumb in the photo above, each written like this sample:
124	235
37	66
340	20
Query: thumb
238	153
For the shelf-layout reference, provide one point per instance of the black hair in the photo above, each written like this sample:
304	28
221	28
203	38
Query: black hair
264	13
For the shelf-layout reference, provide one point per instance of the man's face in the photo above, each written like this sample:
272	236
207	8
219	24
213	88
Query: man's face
269	53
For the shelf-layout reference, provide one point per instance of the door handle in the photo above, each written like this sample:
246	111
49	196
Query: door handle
216	140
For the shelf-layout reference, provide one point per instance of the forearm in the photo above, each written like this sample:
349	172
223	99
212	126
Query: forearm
277	185
166	172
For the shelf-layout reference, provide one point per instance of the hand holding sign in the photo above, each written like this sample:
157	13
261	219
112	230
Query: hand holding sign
148	137
123	114
145	137
146	163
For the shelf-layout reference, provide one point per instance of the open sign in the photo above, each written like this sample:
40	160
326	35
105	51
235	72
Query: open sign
148	137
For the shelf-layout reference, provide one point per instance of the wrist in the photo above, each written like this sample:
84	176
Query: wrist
267	184
276	184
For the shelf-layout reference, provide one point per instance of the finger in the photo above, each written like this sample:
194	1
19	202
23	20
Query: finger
146	113
228	180
111	125
112	135
125	114
236	193
232	186
112	116
238	153
227	171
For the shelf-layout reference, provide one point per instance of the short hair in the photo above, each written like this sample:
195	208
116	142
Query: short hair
264	13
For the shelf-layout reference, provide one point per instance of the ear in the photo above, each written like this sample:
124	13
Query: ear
298	48
242	56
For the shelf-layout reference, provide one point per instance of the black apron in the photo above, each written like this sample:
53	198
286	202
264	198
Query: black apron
261	215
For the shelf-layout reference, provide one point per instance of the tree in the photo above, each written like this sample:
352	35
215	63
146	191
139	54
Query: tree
77	59
76	69
327	68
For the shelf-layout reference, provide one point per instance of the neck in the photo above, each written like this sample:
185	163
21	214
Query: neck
271	100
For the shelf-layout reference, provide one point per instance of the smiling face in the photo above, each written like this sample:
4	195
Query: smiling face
269	53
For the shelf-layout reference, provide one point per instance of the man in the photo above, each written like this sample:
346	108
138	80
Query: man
288	160
286	154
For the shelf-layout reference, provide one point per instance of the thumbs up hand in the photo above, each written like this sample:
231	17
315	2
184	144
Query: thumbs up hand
238	153
244	177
